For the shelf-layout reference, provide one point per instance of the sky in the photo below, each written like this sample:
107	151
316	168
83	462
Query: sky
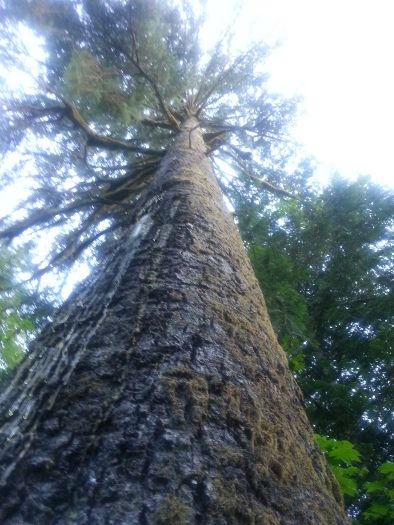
338	56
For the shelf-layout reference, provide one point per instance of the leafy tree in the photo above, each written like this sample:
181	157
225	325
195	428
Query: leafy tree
158	394
325	266
22	311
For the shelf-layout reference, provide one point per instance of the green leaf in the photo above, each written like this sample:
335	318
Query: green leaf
374	486
377	510
388	470
345	479
341	456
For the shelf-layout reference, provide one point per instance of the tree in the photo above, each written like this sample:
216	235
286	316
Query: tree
22	310
159	393
332	311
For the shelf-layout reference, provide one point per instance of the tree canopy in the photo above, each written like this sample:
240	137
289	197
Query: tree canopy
116	80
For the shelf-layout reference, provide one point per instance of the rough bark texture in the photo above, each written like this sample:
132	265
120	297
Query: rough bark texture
159	395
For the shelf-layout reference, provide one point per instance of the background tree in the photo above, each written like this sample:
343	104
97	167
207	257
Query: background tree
22	310
325	266
158	394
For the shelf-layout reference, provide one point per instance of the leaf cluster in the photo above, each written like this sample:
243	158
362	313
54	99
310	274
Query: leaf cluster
343	459
380	510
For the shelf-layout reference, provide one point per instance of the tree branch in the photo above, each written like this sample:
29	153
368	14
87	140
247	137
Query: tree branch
267	185
95	139
174	123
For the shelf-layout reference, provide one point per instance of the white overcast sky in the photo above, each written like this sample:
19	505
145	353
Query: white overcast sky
339	56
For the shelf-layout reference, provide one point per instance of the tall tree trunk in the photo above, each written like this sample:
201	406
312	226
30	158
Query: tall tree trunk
159	394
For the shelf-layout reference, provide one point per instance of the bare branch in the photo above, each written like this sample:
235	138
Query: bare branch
95	139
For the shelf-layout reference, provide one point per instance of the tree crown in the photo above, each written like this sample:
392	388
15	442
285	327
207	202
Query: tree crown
117	80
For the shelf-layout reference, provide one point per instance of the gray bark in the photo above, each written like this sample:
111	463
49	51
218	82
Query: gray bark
159	394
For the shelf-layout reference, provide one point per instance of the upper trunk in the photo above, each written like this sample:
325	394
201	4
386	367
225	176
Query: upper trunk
160	394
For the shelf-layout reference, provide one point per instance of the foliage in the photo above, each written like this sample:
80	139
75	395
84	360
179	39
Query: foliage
381	509
287	307
343	459
22	311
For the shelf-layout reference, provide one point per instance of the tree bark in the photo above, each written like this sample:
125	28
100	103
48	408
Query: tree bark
159	394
